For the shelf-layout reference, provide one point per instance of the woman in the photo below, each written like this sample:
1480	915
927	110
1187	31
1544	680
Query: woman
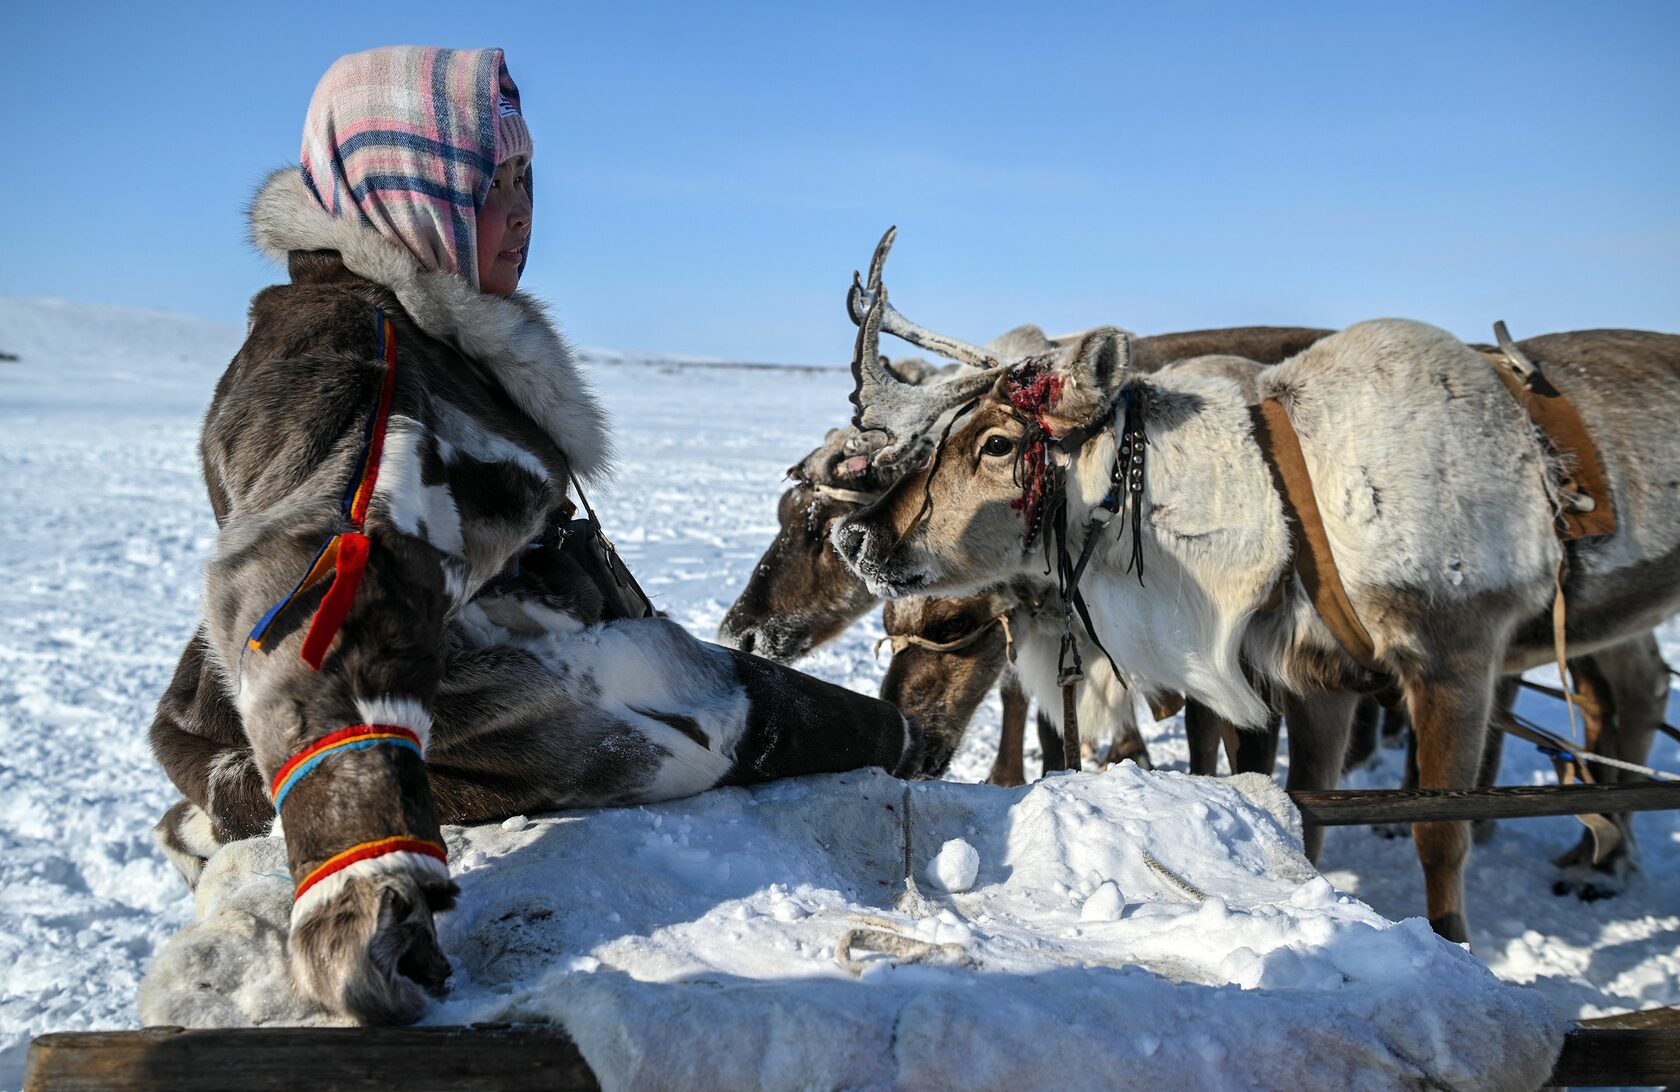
395	635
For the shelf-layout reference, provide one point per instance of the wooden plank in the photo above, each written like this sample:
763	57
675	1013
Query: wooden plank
1345	807
1597	1056
1665	1017
1595	1053
171	1059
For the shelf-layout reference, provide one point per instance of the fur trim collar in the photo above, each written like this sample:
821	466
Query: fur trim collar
512	336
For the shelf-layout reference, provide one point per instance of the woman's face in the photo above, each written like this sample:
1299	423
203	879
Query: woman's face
504	228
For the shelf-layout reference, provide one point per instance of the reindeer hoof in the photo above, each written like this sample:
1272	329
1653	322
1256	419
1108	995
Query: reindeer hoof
370	952
1585	890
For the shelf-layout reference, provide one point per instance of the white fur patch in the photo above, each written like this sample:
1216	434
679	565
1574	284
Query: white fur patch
399	712
194	844
408	501
459	432
510	336
1102	701
197	833
418	865
653	665
227	770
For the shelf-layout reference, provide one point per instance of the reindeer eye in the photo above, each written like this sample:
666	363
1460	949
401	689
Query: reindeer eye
948	630
997	445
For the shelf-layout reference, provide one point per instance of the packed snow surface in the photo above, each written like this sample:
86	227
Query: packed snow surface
107	530
766	937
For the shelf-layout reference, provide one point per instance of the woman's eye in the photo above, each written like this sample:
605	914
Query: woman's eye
997	445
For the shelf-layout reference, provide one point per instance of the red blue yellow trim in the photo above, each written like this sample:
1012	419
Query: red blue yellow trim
343	559
357	737
366	851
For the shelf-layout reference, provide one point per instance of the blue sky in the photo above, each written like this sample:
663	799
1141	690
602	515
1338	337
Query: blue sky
709	175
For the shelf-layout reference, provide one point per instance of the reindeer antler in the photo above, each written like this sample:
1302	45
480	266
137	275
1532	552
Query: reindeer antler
862	295
906	413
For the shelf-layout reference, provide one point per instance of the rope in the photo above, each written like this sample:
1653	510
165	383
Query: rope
1190	890
1555	746
850	496
901	641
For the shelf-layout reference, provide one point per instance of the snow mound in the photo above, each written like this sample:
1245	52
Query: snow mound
775	937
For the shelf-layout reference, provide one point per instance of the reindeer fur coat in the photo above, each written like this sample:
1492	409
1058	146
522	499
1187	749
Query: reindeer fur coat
520	697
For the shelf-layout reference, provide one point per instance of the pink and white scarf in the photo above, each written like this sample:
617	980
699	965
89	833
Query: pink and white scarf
409	137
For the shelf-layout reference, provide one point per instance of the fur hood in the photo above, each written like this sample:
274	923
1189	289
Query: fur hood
512	337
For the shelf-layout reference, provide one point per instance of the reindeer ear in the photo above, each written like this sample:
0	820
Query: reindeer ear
1091	373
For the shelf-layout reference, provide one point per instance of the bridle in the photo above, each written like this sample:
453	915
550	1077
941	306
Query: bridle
1123	499
849	496
902	641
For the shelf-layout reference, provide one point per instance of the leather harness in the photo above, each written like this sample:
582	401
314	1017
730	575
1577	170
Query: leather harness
1583	508
1584	504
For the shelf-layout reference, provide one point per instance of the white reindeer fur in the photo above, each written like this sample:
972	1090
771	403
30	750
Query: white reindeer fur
510	336
1407	505
1104	704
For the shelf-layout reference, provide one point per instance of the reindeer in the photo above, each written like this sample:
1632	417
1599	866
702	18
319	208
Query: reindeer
1438	497
948	652
802	595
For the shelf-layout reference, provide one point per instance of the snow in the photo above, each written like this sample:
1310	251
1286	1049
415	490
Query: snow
108	528
713	942
955	867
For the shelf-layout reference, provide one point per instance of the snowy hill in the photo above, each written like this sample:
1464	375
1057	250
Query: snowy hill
106	530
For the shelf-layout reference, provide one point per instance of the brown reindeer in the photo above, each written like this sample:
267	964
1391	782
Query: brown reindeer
948	651
1439	500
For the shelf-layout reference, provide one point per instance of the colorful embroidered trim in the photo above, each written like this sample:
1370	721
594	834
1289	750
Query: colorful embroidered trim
345	555
366	851
357	737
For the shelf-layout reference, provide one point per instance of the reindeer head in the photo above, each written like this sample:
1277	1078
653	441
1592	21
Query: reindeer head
967	517
947	653
801	593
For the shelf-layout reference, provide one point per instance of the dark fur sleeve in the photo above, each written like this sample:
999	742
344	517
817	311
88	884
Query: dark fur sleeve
282	441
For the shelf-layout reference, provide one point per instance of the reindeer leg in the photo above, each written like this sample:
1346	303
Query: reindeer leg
1318	737
1493	753
1629	685
1008	768
1050	743
1202	727
1363	742
1250	751
1128	743
1449	720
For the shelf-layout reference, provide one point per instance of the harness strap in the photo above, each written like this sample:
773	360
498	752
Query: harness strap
1564	431
1315	564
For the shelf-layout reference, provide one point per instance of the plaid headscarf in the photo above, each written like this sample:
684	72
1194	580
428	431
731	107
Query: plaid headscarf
410	137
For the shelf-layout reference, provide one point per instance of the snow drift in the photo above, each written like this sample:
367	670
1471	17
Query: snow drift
1124	929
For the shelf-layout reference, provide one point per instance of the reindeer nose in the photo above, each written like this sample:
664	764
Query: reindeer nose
848	539
746	640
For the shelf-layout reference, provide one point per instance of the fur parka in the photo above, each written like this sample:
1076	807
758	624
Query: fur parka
490	649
